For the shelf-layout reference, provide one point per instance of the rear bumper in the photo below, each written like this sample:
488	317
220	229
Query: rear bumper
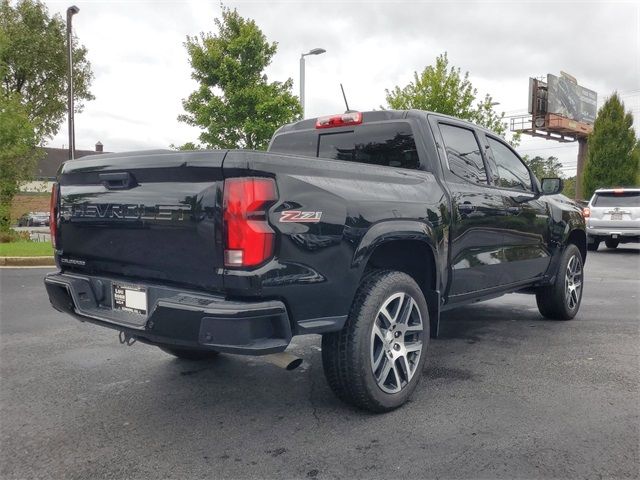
176	317
622	234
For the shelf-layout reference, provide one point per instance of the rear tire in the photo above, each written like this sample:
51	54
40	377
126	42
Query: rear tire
189	354
375	362
561	301
610	243
592	247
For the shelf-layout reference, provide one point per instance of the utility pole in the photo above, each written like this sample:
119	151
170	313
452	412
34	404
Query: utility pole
71	11
582	158
302	84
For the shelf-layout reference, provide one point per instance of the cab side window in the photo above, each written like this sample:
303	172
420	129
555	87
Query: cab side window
509	171
463	153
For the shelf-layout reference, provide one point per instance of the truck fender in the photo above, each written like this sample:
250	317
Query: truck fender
394	230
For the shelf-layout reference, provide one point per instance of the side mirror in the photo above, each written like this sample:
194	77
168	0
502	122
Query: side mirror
551	186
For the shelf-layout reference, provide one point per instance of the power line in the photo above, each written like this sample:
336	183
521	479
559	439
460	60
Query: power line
517	110
545	148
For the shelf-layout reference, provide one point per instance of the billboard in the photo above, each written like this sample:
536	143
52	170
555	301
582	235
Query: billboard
570	100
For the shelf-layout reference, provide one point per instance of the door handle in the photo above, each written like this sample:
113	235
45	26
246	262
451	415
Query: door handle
514	210
466	207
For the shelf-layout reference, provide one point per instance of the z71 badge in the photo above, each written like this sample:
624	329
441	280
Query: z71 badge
296	216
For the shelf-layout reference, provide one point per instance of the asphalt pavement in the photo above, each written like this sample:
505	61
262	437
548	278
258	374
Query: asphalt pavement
504	394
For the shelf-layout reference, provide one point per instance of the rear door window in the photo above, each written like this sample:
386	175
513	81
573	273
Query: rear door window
463	153
617	199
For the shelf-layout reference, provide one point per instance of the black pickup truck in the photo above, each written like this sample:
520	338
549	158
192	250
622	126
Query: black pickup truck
362	227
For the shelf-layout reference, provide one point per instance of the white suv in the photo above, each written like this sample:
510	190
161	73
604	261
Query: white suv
613	215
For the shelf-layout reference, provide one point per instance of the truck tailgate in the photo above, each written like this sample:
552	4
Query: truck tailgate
152	215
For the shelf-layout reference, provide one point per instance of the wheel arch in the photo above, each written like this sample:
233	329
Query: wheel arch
578	237
408	247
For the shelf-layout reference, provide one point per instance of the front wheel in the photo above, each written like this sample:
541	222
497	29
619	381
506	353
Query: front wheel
375	362
561	300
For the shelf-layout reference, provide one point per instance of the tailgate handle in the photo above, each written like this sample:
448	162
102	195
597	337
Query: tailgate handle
117	181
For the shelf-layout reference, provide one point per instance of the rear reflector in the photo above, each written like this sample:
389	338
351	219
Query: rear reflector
341	120
249	238
53	213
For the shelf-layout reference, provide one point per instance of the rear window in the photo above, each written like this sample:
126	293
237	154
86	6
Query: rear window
620	199
389	144
298	143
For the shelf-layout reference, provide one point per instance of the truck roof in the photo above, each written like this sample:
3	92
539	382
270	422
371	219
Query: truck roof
376	116
618	190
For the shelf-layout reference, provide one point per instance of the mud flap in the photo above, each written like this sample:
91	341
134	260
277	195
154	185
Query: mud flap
433	305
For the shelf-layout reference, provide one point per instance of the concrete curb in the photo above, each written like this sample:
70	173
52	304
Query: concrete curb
27	262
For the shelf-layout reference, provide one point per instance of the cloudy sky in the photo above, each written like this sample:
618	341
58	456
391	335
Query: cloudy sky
142	71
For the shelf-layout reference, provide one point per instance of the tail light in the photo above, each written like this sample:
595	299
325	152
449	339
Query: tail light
249	239
586	212
341	120
53	213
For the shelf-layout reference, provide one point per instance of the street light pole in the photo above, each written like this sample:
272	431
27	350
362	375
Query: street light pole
315	51
302	83
71	11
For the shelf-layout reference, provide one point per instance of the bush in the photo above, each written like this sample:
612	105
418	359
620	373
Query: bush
13	236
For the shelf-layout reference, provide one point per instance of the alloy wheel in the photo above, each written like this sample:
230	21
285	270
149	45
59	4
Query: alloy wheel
396	342
573	282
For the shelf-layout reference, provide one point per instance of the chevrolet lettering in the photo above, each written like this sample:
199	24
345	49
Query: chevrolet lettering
70	211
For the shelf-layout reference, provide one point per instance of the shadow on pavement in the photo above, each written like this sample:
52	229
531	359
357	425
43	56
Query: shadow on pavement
620	250
470	322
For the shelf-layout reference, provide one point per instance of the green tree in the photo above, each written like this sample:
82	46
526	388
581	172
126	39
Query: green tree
443	89
569	187
235	104
614	151
18	152
543	167
33	64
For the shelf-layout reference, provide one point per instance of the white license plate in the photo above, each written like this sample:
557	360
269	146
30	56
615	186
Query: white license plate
616	216
129	298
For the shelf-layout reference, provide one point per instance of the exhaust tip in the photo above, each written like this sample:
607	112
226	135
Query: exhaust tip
284	360
294	364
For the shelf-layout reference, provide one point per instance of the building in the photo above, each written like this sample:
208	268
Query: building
49	164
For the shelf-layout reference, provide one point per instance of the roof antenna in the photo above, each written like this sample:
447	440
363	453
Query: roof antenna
345	100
